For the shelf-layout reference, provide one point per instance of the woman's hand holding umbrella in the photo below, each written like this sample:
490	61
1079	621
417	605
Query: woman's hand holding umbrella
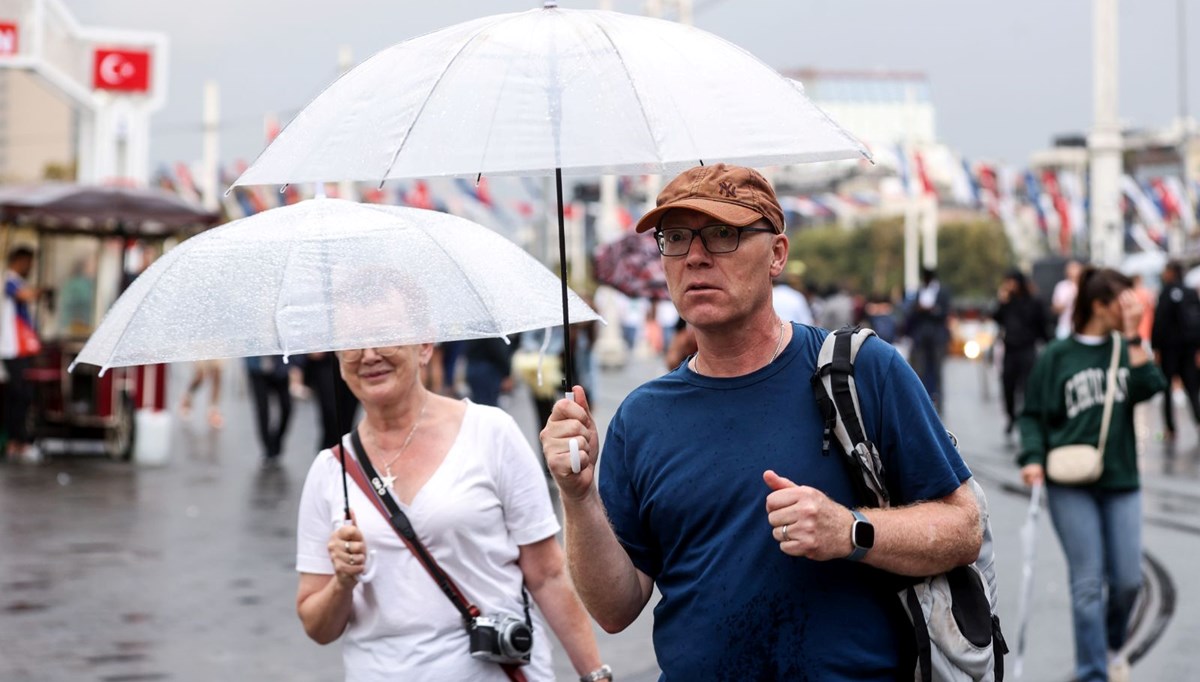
348	552
570	421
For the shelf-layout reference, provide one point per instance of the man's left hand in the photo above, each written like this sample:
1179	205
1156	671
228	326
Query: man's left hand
805	522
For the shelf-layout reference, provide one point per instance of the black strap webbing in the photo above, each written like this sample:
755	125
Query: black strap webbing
921	631
839	374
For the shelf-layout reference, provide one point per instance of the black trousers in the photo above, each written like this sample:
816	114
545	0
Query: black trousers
328	386
1018	363
18	398
265	388
1180	361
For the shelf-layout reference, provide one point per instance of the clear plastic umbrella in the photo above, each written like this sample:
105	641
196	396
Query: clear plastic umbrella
1029	550
325	275
552	90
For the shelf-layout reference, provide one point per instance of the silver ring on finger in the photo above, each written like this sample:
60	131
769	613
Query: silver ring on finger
784	534
347	545
351	560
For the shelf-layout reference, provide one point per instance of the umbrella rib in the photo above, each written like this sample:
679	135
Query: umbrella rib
440	78
637	95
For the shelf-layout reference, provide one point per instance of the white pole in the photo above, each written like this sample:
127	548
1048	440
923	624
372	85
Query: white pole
209	180
929	228
1104	143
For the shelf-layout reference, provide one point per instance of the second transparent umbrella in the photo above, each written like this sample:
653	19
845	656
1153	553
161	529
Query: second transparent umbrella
326	275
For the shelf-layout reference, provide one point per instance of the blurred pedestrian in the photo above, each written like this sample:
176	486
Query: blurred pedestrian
19	344
1099	524
489	368
270	382
204	371
335	401
837	308
1023	326
470	487
880	315
1062	299
789	302
926	313
683	345
1175	338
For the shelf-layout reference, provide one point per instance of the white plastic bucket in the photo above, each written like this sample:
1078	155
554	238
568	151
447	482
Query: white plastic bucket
153	444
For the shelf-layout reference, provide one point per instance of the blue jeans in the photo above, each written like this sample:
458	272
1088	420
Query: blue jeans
1101	535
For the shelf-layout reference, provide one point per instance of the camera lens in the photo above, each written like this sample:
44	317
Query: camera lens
516	639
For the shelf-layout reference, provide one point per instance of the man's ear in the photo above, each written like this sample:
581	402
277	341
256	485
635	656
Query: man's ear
779	255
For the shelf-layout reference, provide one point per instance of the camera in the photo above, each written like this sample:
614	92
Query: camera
501	639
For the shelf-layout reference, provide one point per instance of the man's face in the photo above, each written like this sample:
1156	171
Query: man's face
22	266
711	290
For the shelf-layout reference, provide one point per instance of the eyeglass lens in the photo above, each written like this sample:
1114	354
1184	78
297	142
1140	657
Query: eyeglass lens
676	241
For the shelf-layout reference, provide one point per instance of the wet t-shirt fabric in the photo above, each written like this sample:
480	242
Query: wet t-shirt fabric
681	480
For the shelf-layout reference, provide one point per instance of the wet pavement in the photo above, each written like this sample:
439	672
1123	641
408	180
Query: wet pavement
114	572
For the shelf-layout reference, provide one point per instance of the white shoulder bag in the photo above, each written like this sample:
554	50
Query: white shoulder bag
1082	464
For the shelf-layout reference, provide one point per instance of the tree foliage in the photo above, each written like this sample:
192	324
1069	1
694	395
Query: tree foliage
972	257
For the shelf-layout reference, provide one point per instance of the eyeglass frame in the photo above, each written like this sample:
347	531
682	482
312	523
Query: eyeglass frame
659	234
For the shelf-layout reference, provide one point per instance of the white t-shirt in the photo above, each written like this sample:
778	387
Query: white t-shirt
790	305
487	498
1064	297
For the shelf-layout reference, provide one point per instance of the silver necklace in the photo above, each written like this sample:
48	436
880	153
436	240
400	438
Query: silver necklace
388	479
774	355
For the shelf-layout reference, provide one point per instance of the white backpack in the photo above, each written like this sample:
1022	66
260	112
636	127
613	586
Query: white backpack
955	627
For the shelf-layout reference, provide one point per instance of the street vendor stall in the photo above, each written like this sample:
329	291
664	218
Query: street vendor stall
90	243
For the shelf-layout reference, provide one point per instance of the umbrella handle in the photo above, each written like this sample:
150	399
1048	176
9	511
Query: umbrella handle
574	444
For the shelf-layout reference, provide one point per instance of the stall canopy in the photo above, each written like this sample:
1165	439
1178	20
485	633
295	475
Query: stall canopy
131	211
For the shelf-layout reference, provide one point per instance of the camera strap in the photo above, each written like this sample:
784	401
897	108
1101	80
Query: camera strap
386	504
361	470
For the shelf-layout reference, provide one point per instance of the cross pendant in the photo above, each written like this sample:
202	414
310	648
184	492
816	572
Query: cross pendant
389	480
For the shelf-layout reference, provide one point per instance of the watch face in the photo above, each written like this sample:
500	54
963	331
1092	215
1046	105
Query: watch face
864	535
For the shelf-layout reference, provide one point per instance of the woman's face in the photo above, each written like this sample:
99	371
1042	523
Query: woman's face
380	375
1111	314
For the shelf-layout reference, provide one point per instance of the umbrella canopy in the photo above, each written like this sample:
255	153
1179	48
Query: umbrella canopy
584	91
632	265
324	275
135	211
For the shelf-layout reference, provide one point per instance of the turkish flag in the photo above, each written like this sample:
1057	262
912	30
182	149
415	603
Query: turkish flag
121	70
8	38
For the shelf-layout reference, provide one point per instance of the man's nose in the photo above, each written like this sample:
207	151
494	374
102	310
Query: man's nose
697	253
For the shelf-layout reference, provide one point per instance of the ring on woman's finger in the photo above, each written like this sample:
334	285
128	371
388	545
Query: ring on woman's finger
347	544
351	560
784	533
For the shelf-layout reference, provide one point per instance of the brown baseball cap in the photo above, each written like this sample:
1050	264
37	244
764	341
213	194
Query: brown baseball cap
734	195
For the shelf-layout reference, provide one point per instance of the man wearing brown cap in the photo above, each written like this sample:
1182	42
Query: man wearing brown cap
792	591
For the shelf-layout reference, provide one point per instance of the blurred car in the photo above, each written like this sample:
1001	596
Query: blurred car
972	334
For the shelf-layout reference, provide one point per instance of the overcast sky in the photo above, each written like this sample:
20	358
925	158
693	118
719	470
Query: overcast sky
1005	76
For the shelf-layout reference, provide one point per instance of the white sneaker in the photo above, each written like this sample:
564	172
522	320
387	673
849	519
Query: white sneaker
1118	669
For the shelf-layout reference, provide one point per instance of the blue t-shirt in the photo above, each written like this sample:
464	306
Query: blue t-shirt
681	480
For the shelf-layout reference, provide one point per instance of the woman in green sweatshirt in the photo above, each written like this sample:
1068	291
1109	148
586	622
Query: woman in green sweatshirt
1098	524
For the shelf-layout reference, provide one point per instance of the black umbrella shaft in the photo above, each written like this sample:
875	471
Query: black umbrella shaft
568	364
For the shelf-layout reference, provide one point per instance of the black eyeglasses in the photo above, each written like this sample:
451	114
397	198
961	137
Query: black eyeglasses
677	241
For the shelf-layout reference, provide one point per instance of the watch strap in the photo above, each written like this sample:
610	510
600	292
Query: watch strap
857	553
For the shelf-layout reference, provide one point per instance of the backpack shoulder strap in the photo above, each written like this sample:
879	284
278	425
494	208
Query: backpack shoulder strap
837	399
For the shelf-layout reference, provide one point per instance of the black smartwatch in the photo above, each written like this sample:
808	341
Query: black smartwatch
862	536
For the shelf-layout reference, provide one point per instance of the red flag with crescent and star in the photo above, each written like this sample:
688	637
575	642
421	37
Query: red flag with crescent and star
121	70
